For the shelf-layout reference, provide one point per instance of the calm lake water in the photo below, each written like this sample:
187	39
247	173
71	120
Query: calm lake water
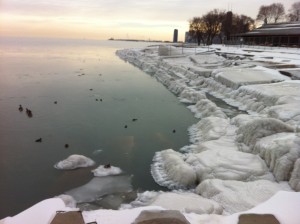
35	73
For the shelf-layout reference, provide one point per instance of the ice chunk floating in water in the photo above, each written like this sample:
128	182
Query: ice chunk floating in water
73	162
102	171
100	186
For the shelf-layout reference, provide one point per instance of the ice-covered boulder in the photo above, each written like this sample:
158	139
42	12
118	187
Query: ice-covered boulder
295	177
228	165
237	196
236	77
168	50
280	151
286	112
170	170
210	128
191	96
105	170
100	186
74	162
206	108
224	143
249	133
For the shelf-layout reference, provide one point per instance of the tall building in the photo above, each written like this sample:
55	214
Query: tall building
175	36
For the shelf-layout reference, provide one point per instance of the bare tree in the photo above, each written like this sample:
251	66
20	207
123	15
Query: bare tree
294	12
197	29
277	11
213	23
264	14
271	13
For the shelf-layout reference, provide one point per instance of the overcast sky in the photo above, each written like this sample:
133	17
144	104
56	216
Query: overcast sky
102	19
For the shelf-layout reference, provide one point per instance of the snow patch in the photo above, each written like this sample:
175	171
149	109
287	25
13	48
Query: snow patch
74	162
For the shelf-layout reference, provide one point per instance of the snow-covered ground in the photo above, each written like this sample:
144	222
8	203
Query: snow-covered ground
249	159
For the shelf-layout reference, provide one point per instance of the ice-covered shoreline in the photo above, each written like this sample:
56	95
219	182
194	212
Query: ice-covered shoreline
262	145
234	164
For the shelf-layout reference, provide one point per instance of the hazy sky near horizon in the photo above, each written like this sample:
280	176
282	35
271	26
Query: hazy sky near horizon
102	19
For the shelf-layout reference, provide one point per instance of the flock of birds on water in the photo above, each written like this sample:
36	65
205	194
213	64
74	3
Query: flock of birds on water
30	115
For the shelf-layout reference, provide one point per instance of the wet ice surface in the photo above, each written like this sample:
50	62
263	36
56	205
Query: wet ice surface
101	186
248	129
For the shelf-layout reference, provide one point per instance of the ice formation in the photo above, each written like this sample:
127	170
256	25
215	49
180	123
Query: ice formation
206	108
280	151
74	162
255	129
237	196
100	186
295	176
228	165
169	169
187	202
210	128
102	171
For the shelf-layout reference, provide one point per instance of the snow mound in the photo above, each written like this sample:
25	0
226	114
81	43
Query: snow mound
170	170
295	176
280	151
237	196
100	186
252	131
102	171
228	165
206	108
74	162
187	202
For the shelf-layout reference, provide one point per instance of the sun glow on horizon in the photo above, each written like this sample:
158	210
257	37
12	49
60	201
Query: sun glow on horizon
102	19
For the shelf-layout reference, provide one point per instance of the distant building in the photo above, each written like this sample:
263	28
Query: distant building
278	34
175	36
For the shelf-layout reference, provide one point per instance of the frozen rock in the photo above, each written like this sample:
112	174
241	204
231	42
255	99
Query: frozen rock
170	170
228	165
286	112
102	171
191	96
242	119
168	50
280	151
295	177
187	202
100	186
224	143
252	131
206	108
74	162
236	77
210	128
237	196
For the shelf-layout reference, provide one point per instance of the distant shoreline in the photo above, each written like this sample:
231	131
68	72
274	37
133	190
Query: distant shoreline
136	40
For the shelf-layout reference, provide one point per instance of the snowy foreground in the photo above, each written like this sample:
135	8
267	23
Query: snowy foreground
243	158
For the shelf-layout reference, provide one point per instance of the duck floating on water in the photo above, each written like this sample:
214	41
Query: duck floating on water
28	112
20	108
